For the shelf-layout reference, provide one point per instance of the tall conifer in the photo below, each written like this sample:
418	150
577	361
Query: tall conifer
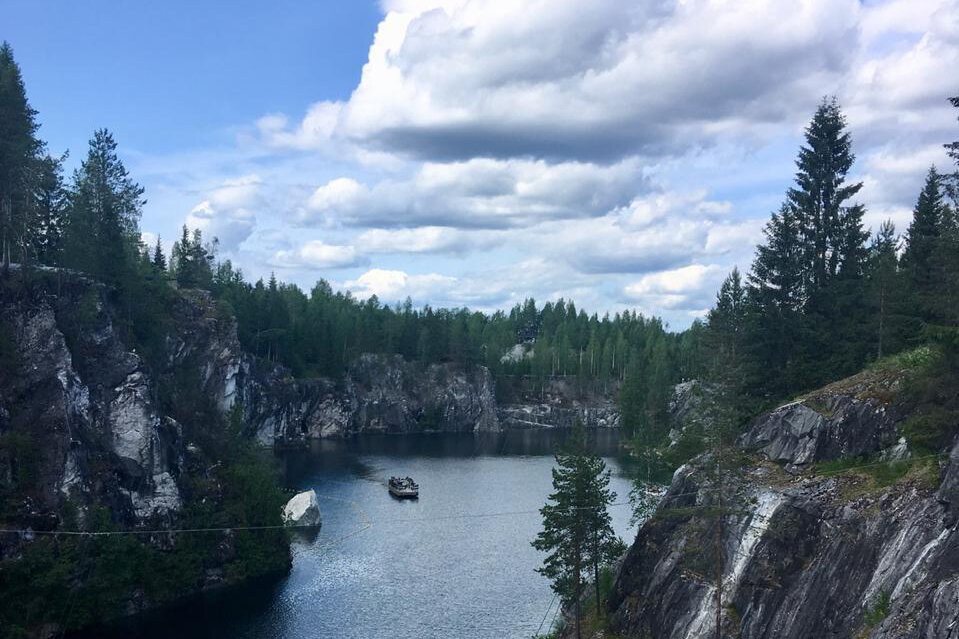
19	150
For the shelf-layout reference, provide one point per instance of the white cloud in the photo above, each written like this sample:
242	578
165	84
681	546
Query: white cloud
389	285
479	193
423	239
316	254
314	131
621	153
688	288
655	233
226	213
547	78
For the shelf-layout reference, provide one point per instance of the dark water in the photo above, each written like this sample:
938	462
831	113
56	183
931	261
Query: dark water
455	563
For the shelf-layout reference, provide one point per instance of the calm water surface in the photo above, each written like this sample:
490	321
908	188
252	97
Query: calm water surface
455	563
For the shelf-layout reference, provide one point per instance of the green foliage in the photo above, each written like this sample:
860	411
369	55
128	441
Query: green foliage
20	151
101	233
577	531
917	360
878	611
191	261
931	430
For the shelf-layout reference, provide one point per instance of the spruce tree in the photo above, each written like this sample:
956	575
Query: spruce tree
19	151
49	203
922	241
884	290
191	261
953	147
806	287
159	259
726	321
774	305
821	192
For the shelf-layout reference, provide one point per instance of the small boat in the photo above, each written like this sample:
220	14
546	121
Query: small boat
404	488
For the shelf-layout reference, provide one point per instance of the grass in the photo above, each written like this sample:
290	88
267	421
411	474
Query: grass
913	360
870	475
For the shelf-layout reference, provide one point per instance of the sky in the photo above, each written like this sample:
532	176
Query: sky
625	155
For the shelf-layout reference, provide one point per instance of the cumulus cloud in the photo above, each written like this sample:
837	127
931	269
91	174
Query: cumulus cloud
690	288
479	193
655	233
390	285
226	214
316	254
314	131
423	239
454	80
623	154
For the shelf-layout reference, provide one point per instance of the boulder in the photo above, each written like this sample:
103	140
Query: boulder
302	510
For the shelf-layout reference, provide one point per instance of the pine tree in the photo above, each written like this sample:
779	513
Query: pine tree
603	546
19	151
577	534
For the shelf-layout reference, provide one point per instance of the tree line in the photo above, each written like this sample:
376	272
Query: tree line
823	297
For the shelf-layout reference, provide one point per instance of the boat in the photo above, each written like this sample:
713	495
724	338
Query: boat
404	488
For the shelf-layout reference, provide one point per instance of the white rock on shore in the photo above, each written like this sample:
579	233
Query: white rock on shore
302	510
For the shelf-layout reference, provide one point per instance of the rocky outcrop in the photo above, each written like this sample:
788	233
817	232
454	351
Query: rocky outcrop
558	403
80	403
802	554
302	510
89	442
823	429
687	416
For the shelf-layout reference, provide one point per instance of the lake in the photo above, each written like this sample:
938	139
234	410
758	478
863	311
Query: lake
455	563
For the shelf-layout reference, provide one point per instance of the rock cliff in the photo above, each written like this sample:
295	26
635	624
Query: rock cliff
558	404
78	413
379	393
809	546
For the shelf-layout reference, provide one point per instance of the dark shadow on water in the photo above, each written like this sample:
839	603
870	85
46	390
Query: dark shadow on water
334	457
305	536
224	608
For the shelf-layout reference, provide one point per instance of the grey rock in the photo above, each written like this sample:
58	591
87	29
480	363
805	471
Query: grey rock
839	426
803	556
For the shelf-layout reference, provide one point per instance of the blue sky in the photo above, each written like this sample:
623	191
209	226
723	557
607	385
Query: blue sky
167	76
475	152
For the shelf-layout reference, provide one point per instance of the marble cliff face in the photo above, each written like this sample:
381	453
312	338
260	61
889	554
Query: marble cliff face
806	553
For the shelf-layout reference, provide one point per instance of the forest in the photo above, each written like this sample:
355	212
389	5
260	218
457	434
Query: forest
823	297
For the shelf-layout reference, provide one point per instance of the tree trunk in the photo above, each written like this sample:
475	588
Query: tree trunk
719	547
577	589
882	313
579	630
596	581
